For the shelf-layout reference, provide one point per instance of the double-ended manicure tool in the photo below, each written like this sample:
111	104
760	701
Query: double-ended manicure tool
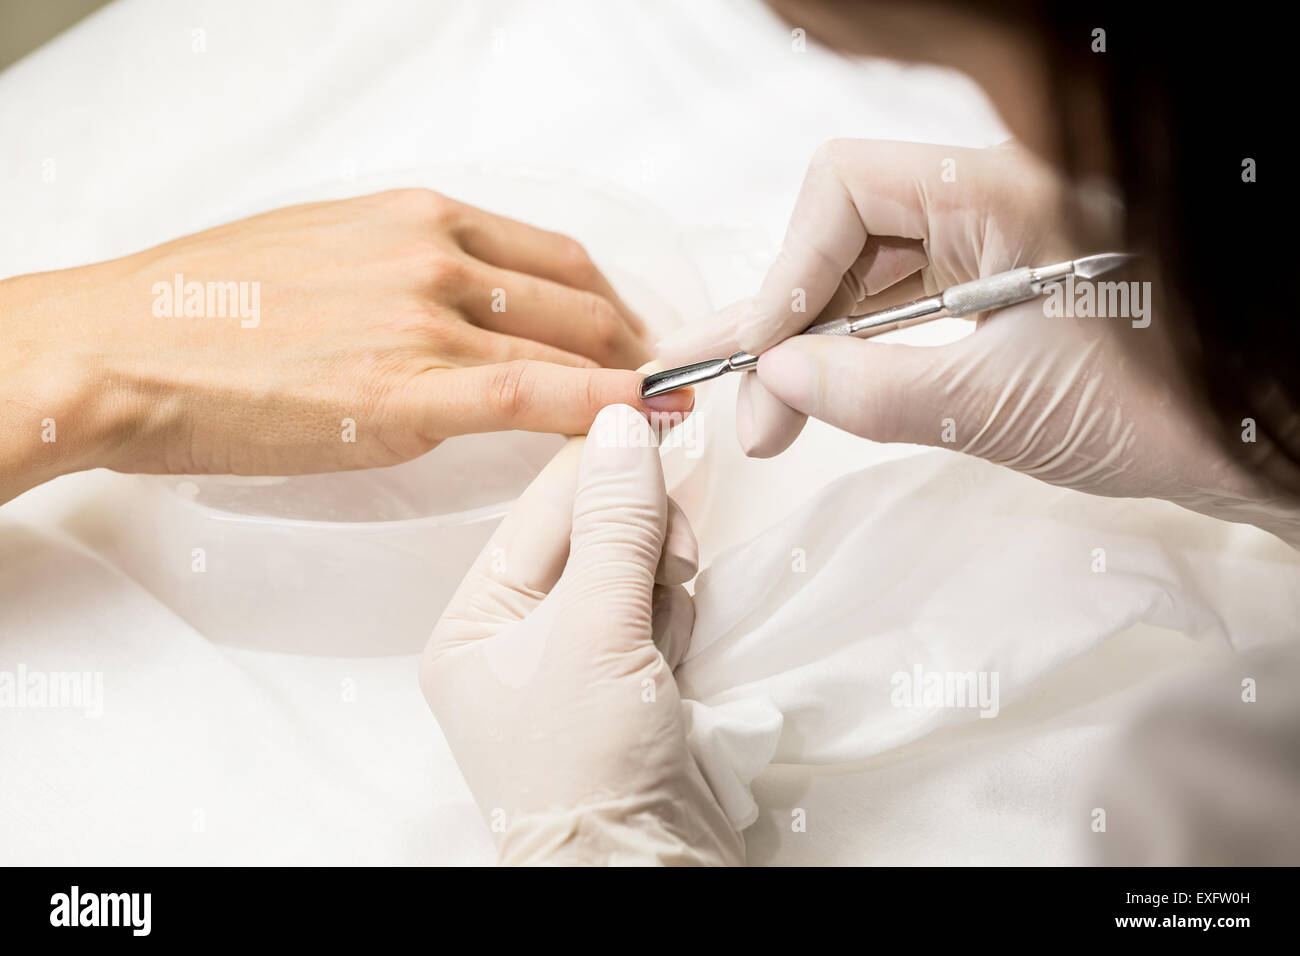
980	295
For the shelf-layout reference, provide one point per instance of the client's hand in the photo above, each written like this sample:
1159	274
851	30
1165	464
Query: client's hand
551	670
1092	403
327	336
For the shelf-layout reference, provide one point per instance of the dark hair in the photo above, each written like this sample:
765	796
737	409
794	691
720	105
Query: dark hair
1188	104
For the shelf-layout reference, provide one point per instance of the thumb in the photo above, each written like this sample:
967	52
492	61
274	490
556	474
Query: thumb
620	513
884	392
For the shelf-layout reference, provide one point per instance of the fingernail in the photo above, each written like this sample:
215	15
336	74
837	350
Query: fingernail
681	400
677	568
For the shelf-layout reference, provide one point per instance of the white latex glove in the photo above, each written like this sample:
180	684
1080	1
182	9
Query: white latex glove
550	672
1058	398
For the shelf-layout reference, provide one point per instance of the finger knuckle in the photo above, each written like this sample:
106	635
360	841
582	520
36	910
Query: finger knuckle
604	324
430	265
444	270
575	258
447	215
829	155
510	388
414	199
440	333
593	394
426	205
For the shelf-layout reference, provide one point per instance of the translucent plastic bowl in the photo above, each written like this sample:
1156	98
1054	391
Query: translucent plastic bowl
364	562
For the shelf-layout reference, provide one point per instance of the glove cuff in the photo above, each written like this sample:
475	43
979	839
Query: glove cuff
652	833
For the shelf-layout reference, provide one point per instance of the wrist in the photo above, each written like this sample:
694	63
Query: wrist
678	825
62	410
1227	490
617	835
1271	514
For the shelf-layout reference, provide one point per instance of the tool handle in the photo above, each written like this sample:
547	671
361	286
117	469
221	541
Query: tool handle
992	292
979	295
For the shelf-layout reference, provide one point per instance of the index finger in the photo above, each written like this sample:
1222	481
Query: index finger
529	396
853	190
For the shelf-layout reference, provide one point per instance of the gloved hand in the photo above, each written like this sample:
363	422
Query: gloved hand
1060	398
550	672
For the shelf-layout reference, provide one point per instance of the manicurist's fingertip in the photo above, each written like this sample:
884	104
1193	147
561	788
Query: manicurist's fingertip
618	439
790	373
765	425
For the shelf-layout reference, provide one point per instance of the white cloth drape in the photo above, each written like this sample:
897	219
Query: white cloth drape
154	118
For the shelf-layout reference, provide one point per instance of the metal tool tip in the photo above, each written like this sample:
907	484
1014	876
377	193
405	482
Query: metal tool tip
650	388
672	379
1089	267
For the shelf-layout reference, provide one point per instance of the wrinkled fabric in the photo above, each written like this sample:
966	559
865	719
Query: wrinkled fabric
807	637
210	754
130	136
